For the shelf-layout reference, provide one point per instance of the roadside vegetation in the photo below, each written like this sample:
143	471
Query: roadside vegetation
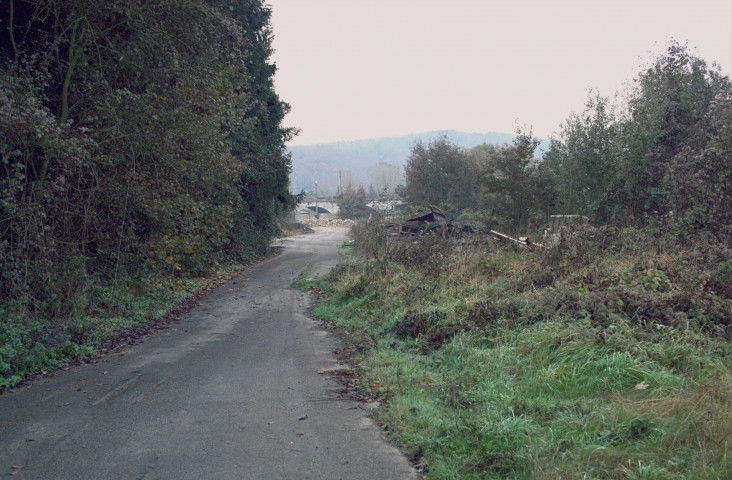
141	150
605	356
607	352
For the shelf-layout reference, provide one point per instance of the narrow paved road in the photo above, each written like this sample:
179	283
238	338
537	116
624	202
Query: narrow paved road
231	391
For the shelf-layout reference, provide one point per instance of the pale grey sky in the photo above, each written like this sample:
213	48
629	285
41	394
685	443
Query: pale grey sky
356	69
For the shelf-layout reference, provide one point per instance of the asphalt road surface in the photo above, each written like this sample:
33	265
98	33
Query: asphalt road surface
231	391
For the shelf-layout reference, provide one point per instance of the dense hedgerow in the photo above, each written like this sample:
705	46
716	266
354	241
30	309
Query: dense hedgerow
140	144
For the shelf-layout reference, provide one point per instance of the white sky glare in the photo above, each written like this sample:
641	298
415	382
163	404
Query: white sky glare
357	69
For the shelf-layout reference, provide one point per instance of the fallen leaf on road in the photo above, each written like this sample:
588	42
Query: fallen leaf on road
321	372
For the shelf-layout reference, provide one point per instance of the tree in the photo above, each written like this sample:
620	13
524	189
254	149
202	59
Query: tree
384	179
440	172
135	136
699	177
258	138
352	202
512	184
584	160
669	99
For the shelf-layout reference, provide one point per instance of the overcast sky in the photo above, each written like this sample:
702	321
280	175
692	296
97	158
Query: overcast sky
357	69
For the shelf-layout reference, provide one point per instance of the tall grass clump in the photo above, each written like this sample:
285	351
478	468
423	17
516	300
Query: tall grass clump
605	355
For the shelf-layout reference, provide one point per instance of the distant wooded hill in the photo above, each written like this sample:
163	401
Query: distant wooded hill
323	162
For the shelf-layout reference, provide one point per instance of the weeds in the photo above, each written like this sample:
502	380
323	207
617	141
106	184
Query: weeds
605	356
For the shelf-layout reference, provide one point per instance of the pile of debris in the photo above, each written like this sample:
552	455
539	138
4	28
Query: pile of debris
520	240
434	222
328	222
551	234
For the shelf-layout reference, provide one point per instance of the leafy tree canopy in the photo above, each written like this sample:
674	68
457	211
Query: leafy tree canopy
135	136
440	172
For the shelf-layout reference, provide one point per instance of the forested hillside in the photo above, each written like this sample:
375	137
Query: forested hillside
140	145
363	158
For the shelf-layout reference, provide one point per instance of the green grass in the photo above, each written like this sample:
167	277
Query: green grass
488	370
30	345
303	281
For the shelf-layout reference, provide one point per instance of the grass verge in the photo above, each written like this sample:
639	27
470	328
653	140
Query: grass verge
119	312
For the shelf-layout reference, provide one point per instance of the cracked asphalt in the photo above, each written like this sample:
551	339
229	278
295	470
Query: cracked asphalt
231	391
